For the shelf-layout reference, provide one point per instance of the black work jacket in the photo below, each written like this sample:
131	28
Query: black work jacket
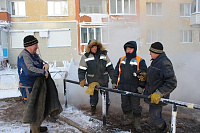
128	78
160	77
96	68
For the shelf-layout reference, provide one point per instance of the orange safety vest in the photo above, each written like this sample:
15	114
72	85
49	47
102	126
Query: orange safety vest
138	58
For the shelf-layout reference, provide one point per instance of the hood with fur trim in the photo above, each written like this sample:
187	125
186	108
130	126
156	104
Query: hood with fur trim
92	43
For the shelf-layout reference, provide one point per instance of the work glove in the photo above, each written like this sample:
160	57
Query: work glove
140	90
91	87
142	76
155	98
114	86
82	83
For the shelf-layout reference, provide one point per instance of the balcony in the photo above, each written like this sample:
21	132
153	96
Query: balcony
195	19
4	16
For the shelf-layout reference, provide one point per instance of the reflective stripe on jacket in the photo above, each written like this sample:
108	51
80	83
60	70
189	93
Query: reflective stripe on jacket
96	68
138	58
128	79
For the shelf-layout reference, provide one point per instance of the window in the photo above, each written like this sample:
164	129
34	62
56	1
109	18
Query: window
93	6
195	7
57	8
97	33
59	38
123	7
185	9
18	8
153	36
153	8
186	36
17	39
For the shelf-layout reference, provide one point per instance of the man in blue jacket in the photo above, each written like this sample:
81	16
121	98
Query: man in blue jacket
30	66
161	81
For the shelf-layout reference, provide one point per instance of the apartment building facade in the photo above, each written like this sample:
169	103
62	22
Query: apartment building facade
64	27
51	21
171	22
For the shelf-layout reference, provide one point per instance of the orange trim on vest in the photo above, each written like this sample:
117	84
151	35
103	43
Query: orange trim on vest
25	98
120	69
138	58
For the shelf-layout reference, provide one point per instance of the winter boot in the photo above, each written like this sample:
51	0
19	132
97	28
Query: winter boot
34	129
42	129
158	130
161	129
128	119
137	124
93	109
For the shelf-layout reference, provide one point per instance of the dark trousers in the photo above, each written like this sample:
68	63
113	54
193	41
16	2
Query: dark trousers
25	91
95	98
155	114
131	104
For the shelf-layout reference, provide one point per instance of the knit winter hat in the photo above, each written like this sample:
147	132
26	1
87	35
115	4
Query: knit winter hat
30	40
156	47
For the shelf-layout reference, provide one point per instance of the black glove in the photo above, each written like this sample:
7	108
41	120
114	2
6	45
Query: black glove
140	90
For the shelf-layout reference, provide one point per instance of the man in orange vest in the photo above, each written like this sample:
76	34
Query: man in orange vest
126	78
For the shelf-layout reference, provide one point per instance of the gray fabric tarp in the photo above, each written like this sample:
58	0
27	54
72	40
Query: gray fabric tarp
42	101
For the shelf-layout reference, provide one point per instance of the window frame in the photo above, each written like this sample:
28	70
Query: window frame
156	10
187	36
158	36
57	1
67	30
123	8
95	35
184	8
11	8
94	8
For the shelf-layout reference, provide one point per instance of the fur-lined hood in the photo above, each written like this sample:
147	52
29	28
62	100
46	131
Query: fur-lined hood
92	43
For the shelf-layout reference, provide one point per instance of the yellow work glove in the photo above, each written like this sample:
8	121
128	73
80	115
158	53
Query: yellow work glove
155	98
142	76
91	87
82	82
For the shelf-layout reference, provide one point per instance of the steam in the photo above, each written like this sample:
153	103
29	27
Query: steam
186	66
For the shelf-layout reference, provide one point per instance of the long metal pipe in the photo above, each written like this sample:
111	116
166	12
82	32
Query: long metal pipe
179	103
173	102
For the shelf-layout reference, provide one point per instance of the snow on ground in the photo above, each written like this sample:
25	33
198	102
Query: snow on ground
18	127
9	88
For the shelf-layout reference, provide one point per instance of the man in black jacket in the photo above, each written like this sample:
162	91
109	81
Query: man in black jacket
161	81
125	78
96	66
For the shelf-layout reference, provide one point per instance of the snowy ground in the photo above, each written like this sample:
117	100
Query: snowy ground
11	110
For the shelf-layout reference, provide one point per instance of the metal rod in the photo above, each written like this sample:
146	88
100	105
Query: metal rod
173	119
180	103
173	102
104	107
65	93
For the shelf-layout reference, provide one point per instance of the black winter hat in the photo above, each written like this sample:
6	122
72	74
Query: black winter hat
156	47
30	40
130	44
